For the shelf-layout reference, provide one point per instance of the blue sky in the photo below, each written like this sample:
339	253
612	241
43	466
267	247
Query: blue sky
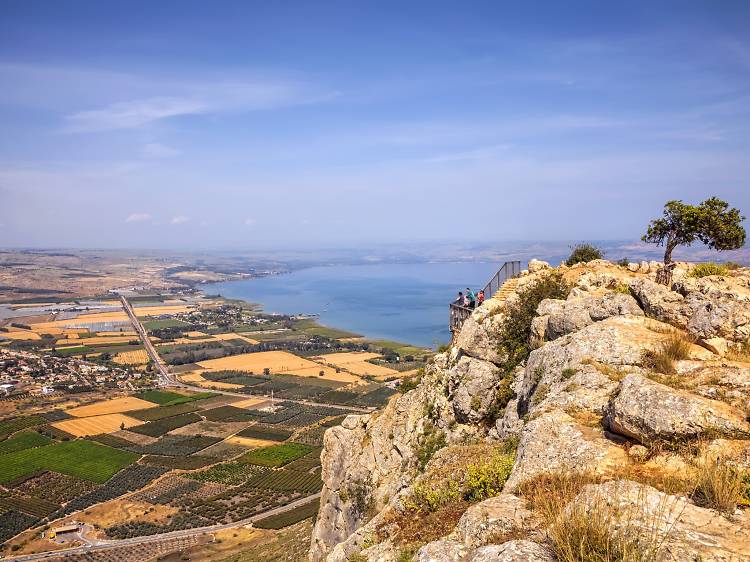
260	124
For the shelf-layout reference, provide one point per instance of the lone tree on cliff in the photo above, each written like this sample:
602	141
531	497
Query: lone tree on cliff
712	222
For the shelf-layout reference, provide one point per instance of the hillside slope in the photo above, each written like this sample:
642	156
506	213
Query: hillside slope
614	413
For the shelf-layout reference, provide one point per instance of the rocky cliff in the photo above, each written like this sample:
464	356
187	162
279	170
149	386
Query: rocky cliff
587	409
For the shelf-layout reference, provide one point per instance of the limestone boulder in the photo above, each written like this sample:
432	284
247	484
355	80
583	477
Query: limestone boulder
493	518
473	386
647	411
556	318
679	530
442	551
555	442
660	302
513	551
480	334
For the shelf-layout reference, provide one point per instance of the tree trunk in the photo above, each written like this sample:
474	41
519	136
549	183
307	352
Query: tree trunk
668	249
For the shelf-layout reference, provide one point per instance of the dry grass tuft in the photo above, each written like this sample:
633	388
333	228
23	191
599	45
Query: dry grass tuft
740	353
719	485
594	530
675	348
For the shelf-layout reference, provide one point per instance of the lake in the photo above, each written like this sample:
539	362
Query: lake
402	302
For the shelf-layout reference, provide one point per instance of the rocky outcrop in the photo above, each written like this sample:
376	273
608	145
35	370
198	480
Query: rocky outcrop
494	517
557	318
555	442
474	386
670	523
584	401
647	411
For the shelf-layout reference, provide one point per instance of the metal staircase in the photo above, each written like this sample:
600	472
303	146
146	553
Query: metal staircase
498	286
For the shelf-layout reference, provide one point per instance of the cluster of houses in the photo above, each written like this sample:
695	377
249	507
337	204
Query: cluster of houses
26	372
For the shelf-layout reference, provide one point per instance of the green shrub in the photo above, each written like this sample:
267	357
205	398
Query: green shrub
624	262
516	329
568	373
708	268
432	441
583	253
486	478
427	496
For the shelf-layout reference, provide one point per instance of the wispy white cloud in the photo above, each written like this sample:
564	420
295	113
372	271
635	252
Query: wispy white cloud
157	150
130	115
179	219
138	217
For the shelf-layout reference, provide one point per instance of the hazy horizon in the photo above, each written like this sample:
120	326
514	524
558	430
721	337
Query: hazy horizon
242	125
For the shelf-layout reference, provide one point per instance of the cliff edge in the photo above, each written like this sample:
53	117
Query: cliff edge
584	409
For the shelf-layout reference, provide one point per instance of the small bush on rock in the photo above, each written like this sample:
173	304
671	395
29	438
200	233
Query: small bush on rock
584	253
709	268
487	478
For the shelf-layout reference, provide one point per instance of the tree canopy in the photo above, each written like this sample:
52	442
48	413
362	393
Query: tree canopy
712	222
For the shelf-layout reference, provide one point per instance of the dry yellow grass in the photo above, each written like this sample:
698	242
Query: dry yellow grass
191	377
159	310
18	335
233	336
248	442
196	334
114	406
137	357
249	403
96	424
356	362
277	362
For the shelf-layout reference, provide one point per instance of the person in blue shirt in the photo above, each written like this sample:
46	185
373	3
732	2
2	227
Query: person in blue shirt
471	297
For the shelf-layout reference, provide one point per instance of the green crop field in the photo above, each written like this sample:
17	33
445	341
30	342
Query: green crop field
80	458
276	455
167	398
153	414
290	517
7	427
158	324
23	440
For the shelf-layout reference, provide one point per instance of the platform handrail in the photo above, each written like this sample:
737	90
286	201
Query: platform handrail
459	313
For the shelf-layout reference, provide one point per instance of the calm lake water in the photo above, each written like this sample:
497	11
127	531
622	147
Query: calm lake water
406	303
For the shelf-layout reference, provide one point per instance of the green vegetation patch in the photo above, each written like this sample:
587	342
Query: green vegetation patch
81	458
160	427
290	517
168	398
269	433
22	441
182	463
153	414
708	268
159	324
276	455
10	426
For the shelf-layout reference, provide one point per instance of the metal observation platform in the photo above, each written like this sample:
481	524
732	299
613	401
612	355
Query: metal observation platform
459	313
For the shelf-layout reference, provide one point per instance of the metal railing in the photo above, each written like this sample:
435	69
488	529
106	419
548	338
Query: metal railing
459	313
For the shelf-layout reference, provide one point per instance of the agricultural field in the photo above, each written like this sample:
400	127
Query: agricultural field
135	357
94	425
23	440
357	362
80	458
276	455
114	406
168	398
275	362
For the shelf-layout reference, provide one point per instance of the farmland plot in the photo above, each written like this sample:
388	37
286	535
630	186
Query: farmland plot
81	427
115	406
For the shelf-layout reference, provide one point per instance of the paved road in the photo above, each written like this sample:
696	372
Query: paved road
106	545
161	366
